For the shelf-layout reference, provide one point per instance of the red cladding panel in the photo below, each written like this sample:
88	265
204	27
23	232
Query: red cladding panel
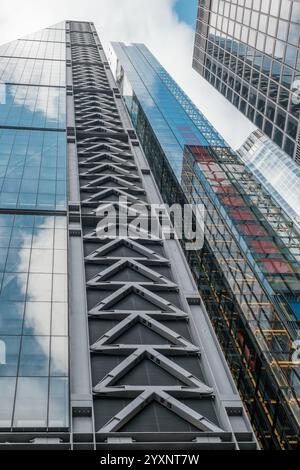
233	201
225	189
201	153
264	247
254	230
205	158
217	178
239	214
275	266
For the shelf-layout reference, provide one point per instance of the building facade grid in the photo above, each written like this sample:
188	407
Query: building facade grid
249	50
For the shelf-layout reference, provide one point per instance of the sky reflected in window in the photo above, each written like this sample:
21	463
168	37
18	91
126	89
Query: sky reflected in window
33	322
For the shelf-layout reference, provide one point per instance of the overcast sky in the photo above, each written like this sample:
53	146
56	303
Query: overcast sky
165	26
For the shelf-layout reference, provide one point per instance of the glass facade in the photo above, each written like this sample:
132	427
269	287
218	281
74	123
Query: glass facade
249	50
248	270
32	71
176	122
33	122
32	169
30	106
278	173
33	322
34	49
34	383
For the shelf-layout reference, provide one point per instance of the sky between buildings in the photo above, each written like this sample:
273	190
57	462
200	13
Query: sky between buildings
187	11
165	26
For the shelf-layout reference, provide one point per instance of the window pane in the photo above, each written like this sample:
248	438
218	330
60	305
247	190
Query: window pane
41	261
58	403
34	356
9	355
7	387
60	288
31	402
37	318
18	261
59	319
60	262
59	357
39	287
14	287
42	238
11	318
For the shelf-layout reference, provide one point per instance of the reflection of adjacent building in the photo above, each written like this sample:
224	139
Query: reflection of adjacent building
277	173
250	53
248	271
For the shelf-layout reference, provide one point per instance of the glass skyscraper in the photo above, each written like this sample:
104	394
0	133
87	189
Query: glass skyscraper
105	343
34	371
249	51
248	271
278	173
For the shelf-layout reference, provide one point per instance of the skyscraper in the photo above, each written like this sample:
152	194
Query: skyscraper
249	51
34	370
144	370
275	170
248	270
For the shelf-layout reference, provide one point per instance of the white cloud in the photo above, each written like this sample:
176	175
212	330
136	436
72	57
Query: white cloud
152	22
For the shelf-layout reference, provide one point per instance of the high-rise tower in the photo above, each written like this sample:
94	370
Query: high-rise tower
34	369
248	270
145	370
249	51
275	170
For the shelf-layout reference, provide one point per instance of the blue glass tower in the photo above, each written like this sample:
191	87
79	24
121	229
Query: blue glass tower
33	233
248	271
174	118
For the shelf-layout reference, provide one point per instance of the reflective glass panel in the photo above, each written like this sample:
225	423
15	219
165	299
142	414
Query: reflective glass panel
33	321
